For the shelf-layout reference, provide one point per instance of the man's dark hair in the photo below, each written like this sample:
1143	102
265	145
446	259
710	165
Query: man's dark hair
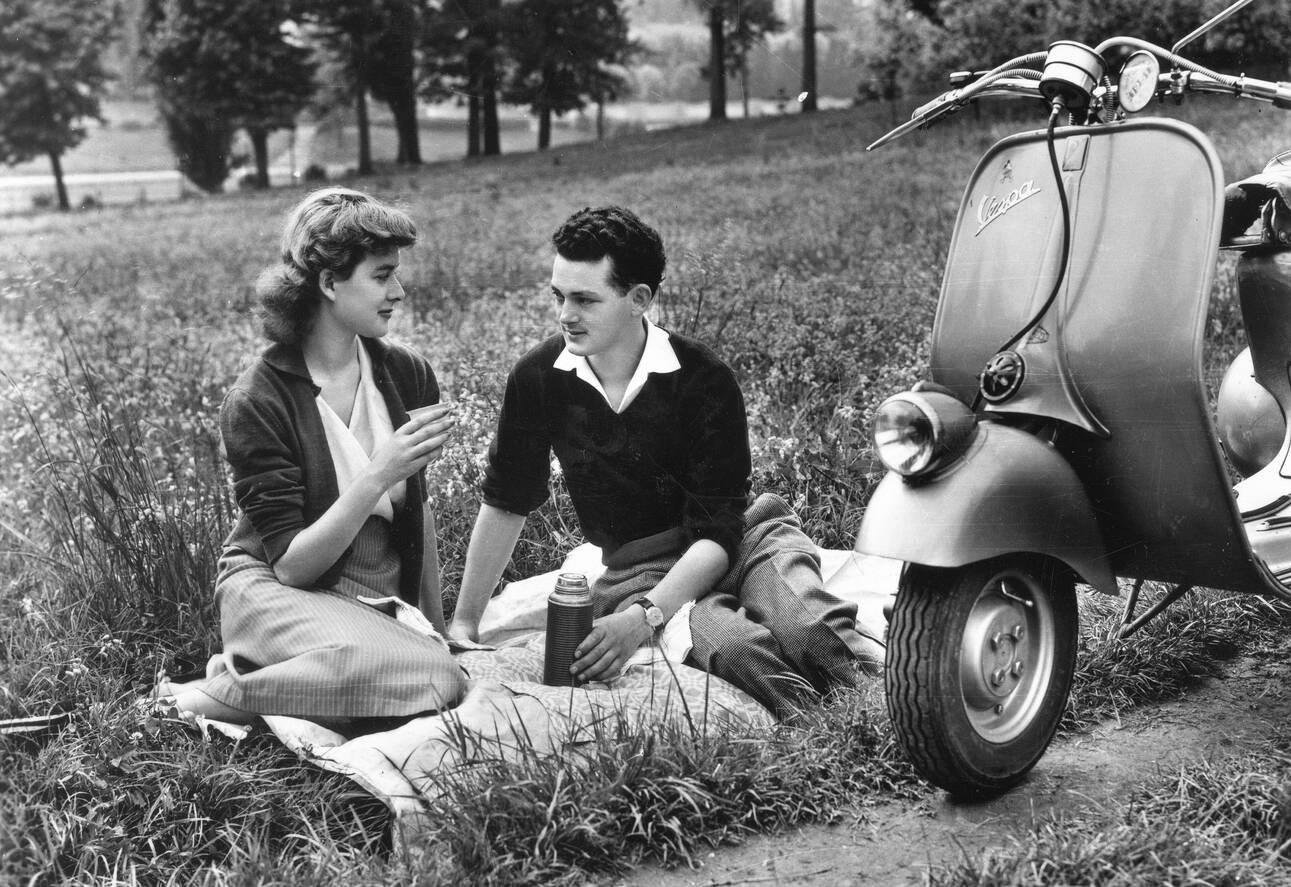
635	249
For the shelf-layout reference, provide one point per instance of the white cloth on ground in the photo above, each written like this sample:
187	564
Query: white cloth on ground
510	715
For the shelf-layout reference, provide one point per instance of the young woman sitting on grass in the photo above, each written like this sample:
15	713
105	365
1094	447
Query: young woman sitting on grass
328	475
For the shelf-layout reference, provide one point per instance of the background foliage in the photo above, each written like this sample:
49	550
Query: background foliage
219	66
915	42
51	77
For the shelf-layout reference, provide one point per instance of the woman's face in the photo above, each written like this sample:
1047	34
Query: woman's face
364	302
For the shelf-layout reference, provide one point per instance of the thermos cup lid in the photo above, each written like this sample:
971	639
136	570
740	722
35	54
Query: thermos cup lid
571	583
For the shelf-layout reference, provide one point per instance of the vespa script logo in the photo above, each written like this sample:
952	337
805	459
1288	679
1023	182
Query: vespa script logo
993	207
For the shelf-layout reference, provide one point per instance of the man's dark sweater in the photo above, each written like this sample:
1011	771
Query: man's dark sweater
677	457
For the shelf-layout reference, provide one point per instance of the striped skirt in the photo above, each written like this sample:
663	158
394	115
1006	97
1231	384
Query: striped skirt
322	654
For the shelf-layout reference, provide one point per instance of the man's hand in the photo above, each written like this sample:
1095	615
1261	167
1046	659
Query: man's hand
462	631
612	640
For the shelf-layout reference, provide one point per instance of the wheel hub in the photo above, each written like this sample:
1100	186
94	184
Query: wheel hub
1002	661
1006	657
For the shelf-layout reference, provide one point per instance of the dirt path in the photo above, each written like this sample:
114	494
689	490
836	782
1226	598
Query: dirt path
897	843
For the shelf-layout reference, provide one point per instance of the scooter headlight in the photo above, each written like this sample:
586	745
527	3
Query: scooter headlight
904	436
919	430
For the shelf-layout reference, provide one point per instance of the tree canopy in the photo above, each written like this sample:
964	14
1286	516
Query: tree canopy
918	41
564	53
371	45
221	65
51	77
463	58
734	28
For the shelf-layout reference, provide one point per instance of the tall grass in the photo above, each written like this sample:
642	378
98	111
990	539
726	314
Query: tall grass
666	792
811	267
1225	822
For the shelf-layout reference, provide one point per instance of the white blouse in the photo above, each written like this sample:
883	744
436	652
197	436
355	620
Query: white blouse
352	445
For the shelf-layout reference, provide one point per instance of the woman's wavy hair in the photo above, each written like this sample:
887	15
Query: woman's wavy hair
332	229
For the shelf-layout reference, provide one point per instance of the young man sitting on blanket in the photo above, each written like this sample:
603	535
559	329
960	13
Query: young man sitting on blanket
650	430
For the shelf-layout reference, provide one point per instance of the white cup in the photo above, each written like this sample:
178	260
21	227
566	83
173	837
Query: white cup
443	409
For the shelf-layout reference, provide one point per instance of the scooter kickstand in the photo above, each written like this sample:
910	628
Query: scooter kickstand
1170	597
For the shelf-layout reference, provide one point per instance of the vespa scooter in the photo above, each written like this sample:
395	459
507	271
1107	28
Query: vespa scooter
1065	434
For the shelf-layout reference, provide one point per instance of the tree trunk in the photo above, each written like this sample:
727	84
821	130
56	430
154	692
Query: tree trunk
473	125
544	128
489	109
361	113
60	186
492	139
398	85
600	118
404	109
744	85
260	147
717	62
808	56
365	135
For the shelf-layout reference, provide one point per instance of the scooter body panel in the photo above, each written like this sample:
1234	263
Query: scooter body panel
1008	493
1117	357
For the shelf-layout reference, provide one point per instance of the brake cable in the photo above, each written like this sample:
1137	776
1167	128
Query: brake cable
1058	107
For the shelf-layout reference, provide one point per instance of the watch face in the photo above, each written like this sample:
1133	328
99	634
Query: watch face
653	615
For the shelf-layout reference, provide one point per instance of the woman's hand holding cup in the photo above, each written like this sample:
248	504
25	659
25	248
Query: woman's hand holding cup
416	443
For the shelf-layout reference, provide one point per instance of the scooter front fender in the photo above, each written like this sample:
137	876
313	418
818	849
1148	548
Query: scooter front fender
1009	492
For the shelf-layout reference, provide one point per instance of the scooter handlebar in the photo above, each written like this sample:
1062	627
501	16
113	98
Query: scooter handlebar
1278	93
1023	82
1000	85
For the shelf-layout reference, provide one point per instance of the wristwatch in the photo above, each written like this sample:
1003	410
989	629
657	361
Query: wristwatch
653	615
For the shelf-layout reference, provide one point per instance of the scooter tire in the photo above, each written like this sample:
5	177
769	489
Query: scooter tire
971	720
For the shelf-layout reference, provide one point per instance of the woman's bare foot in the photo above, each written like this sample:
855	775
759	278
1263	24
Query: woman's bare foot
166	688
192	698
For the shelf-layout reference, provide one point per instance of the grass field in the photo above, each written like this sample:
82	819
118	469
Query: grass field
812	268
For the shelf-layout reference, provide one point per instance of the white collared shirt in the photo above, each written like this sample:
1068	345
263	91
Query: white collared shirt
352	444
658	357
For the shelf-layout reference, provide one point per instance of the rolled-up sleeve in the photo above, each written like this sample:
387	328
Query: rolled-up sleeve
718	465
267	480
519	464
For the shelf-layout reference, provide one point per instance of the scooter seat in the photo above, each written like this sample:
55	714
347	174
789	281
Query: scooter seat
1266	194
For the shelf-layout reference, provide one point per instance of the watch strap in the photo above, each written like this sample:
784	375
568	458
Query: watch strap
650	608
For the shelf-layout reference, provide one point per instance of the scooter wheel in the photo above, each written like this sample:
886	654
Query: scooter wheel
979	664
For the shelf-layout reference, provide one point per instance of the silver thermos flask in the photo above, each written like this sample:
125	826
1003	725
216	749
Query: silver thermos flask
569	619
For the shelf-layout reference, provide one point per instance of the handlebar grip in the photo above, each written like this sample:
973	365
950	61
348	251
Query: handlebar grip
1278	93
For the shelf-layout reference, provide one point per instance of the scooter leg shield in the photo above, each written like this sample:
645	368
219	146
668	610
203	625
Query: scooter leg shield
1008	493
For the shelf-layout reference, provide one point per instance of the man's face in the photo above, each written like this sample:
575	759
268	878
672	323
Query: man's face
594	316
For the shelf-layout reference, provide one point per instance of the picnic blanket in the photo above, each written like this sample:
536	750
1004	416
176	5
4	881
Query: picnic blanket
508	712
